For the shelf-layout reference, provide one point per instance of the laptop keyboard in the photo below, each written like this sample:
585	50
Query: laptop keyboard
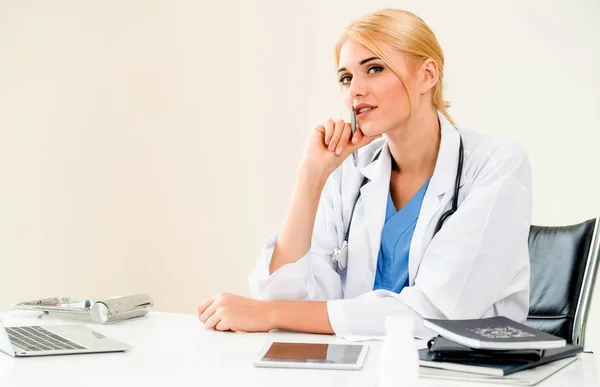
36	338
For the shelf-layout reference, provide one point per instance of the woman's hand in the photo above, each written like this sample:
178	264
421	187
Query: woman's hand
229	312
330	143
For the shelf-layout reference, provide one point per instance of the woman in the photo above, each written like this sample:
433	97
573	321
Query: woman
399	261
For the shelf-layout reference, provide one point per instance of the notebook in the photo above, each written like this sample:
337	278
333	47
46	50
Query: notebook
447	350
529	377
493	363
494	333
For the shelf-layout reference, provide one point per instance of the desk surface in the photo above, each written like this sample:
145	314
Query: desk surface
176	350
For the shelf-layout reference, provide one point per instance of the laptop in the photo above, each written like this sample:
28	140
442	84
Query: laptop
25	341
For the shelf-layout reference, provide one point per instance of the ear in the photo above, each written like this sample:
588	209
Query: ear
429	75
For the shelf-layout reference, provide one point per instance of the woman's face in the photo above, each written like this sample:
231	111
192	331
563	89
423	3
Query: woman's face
367	82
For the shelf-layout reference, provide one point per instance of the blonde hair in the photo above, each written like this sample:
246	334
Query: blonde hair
409	35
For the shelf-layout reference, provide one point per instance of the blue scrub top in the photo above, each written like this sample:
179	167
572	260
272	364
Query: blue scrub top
392	263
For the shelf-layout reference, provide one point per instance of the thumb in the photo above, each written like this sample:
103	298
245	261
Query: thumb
364	141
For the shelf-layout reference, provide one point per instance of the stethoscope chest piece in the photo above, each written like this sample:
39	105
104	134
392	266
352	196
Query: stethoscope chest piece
340	256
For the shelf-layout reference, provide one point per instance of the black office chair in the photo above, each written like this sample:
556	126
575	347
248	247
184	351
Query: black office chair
564	262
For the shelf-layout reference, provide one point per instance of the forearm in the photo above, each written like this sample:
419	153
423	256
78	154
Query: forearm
295	238
300	316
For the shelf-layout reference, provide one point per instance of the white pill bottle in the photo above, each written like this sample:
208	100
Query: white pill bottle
399	357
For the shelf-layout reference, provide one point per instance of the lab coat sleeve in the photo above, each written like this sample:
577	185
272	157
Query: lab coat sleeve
476	266
313	276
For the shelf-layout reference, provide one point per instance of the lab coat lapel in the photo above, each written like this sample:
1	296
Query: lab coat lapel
437	195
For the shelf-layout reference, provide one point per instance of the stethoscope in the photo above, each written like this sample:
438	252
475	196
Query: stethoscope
340	255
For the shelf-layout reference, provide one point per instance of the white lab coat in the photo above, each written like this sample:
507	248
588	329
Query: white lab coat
476	266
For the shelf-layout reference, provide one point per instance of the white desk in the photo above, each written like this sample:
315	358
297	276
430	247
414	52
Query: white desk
176	350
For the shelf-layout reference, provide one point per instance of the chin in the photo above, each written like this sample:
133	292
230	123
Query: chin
371	130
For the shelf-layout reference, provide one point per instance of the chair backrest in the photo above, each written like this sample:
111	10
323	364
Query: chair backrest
564	262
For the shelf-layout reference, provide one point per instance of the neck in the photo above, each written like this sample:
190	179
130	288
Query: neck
414	146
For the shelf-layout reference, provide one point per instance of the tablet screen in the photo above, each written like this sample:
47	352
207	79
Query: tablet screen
313	353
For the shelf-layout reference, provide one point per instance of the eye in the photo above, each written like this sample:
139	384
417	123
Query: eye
375	69
344	80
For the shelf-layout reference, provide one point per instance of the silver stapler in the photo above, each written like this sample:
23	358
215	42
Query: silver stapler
99	311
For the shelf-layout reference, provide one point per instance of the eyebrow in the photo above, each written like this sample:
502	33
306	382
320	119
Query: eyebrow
362	62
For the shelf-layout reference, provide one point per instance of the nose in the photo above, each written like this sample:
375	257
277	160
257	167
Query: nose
358	87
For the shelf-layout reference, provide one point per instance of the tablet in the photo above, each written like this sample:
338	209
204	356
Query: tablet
312	355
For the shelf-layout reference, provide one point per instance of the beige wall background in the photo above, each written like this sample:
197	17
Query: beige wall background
151	146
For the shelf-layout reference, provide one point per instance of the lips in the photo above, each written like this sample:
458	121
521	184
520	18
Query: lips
363	108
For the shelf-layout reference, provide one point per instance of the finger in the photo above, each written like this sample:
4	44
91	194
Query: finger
208	312
203	305
222	326
358	135
344	139
213	320
329	127
364	140
337	134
